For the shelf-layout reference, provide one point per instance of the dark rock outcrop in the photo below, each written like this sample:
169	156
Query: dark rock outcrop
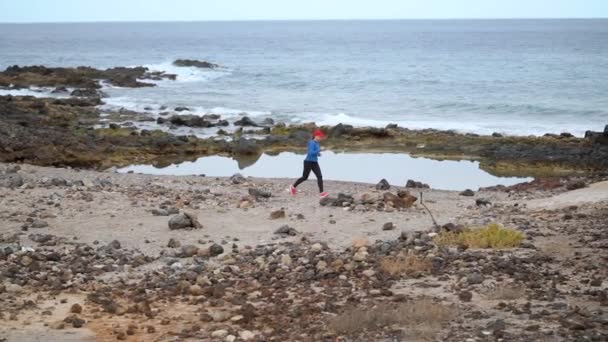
245	121
416	185
245	147
80	77
194	63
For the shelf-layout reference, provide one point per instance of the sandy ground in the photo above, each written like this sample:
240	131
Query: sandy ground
122	212
596	192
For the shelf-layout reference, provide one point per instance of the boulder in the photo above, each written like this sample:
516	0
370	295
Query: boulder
286	230
184	220
194	63
277	214
482	202
181	109
339	130
87	92
39	224
467	192
245	147
237	178
215	250
299	136
403	200
388	226
268	122
245	121
212	117
60	90
173	243
416	185
187	120
189	251
383	185
259	193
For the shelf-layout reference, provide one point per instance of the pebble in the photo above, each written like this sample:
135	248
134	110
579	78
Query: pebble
219	333
246	335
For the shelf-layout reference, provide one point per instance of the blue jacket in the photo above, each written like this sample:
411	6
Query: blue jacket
314	150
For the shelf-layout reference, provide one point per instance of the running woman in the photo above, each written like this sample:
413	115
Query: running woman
311	163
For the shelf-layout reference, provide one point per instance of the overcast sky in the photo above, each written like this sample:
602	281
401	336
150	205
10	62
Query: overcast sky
163	10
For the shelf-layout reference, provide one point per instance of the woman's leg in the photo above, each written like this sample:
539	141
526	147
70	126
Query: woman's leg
316	169
305	173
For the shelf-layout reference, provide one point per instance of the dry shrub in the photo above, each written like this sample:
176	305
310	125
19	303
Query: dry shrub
491	236
422	319
409	265
504	292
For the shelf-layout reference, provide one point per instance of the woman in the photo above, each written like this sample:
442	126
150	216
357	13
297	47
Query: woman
311	163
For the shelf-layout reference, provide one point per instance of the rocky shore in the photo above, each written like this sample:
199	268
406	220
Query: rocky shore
75	131
87	255
99	256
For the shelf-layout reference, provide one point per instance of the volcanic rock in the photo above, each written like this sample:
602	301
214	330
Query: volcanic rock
416	185
184	220
383	185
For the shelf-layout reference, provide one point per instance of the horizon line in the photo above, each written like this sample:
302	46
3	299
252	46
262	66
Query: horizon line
296	20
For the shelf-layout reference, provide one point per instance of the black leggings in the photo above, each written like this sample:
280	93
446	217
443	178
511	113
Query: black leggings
314	167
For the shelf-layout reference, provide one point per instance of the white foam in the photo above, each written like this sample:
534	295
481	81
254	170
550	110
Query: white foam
505	126
187	74
149	106
128	103
34	91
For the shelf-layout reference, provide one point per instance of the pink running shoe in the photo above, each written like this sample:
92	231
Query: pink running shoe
324	194
292	190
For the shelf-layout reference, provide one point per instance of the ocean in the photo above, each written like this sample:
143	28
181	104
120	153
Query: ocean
516	77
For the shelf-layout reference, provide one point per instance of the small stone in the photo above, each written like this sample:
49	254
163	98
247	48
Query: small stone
185	220
286	230
160	212
360	256
150	329
596	282
76	308
467	192
278	214
196	290
219	333
360	242
215	250
59	325
246	335
465	296
173	243
259	193
321	265
286	260
389	226
369	273
317	247
482	202
383	185
474	278
39	224
189	251
237	178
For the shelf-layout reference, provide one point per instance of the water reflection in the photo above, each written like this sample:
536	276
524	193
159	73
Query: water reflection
356	167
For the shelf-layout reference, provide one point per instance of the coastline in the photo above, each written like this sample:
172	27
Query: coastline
106	235
97	255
